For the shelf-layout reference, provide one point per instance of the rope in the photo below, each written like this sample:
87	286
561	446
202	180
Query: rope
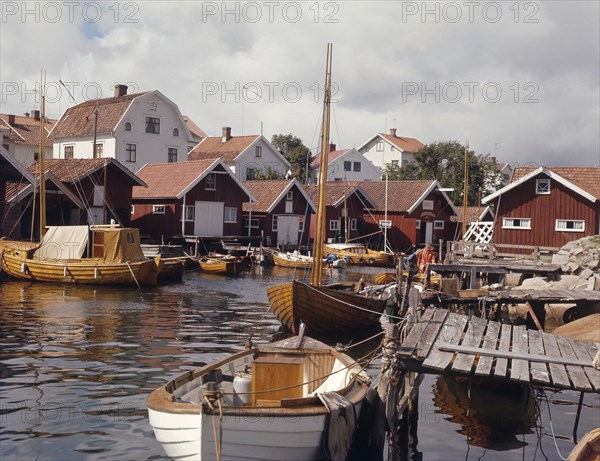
133	275
552	429
209	397
350	346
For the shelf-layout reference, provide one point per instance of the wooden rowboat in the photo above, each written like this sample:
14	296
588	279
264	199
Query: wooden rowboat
227	265
294	260
588	448
278	401
360	254
326	309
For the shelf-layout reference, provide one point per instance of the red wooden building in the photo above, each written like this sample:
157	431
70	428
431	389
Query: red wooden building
203	192
547	206
280	212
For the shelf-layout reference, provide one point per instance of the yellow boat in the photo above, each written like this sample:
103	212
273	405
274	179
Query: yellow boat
293	260
356	253
227	265
116	257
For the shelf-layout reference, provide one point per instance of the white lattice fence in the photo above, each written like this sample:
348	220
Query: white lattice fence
480	232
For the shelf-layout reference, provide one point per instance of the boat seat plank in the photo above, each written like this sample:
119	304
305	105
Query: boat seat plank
484	365
576	373
539	370
475	330
557	372
584	353
410	342
450	333
432	331
502	364
519	370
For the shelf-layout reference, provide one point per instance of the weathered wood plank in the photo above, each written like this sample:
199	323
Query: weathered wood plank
576	373
490	342
432	331
557	372
450	333
502	364
539	370
583	353
464	362
410	342
519	369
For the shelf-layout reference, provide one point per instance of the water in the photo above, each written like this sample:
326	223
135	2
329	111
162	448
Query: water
77	364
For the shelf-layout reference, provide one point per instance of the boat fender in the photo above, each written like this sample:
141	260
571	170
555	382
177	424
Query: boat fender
23	268
95	272
372	261
242	386
65	271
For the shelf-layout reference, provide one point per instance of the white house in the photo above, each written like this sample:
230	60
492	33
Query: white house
383	149
135	129
246	156
21	136
345	165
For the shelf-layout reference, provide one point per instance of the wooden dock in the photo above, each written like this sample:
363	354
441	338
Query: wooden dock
445	342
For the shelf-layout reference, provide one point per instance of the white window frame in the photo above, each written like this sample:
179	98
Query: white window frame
153	122
258	151
153	105
189	213
71	148
252	223
128	151
274	223
427	204
230	214
301	224
438	224
379	146
347	165
127	126
132	211
353	224
175	131
356	164
417	224
508	223
159	209
172	154
334	225
210	183
289	195
560	225
542	186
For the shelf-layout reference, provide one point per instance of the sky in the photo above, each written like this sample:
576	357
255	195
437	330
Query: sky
515	79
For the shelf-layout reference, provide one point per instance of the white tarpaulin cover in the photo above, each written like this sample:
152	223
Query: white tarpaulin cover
63	242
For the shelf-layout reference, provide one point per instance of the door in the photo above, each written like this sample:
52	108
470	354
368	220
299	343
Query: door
428	232
287	230
95	215
208	219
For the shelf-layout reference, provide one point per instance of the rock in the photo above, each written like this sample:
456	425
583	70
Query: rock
593	283
513	279
577	250
568	282
560	259
535	283
594	264
573	266
586	273
496	286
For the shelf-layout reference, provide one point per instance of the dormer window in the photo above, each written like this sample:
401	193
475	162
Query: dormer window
127	126
175	131
542	186
153	105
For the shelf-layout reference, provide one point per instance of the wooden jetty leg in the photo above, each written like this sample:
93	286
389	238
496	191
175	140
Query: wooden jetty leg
536	315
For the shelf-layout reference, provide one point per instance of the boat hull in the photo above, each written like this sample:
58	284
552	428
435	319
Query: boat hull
321	309
362	256
222	267
292	262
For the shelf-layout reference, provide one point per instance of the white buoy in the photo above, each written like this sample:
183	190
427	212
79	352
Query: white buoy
23	268
95	272
242	386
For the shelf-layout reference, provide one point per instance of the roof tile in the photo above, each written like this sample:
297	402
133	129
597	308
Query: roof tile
586	178
213	147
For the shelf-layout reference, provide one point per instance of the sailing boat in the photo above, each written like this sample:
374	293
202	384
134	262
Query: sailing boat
115	255
324	309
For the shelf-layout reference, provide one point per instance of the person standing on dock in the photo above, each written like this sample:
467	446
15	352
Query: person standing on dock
426	257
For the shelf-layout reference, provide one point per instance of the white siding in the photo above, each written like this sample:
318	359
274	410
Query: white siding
379	158
269	158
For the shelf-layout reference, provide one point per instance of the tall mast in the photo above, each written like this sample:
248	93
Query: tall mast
42	160
465	192
317	273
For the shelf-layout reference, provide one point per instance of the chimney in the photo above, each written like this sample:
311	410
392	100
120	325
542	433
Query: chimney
393	132
27	114
11	119
120	90
36	114
226	134
331	147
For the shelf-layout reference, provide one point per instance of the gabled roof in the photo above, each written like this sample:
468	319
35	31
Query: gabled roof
333	155
12	169
72	170
402	143
212	147
25	130
474	213
174	180
584	181
269	193
195	130
15	191
336	191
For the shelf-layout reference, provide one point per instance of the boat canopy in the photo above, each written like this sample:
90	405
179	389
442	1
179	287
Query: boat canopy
121	244
63	242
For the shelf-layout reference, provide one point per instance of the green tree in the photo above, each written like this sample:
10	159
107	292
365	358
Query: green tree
396	172
268	173
295	152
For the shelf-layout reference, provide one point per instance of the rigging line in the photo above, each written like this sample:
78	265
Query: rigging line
552	429
22	214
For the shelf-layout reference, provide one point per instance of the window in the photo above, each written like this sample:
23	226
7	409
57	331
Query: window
69	151
274	224
516	223
250	174
393	149
210	183
290	195
172	155
152	125
347	166
132	209
301	224
428	204
395	162
542	186
334	224
130	152
438	224
158	209
418	224
258	151
175	131
36	156
99	151
252	222
357	166
379	146
570	225
127	126
189	213
353	224
153	105
230	215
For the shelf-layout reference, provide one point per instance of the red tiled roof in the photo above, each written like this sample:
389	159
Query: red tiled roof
586	178
405	144
335	191
473	213
402	195
28	129
69	170
265	192
168	180
316	160
79	120
213	147
196	131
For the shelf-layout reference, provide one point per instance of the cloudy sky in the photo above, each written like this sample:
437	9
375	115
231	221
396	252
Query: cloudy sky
519	80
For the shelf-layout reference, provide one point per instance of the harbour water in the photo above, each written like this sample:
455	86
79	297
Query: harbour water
78	362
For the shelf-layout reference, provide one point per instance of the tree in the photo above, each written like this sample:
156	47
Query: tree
268	173
396	172
295	152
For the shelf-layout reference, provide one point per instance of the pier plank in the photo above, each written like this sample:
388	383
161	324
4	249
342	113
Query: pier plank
557	372
583	353
464	362
484	365
451	332
519	368
502	364
432	331
410	342
539	370
578	377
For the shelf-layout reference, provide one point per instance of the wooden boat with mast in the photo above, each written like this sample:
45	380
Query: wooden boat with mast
335	307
